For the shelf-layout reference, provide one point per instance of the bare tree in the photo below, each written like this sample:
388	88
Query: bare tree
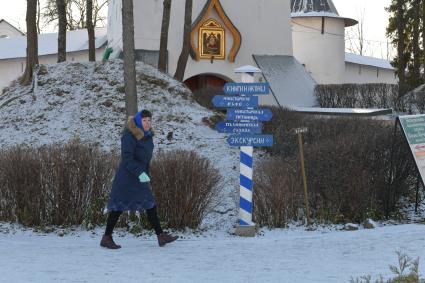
162	61
423	34
90	30
401	23
387	52
61	10
32	42
38	17
416	76
76	12
184	55
355	36
129	58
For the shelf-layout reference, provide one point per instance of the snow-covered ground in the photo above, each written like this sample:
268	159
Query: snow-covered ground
290	255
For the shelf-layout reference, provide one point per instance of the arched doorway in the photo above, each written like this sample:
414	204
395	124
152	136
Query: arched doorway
201	81
205	87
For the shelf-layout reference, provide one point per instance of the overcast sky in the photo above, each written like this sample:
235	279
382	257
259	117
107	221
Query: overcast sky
375	21
375	18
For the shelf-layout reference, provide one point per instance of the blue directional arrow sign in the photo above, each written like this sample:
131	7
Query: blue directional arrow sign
250	140
239	127
249	114
246	88
221	101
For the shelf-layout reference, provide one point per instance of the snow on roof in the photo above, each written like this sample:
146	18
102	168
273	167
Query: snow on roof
313	5
317	8
12	26
77	40
289	81
369	61
247	69
343	111
348	21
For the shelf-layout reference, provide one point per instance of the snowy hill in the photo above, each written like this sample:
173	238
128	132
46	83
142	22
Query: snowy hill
86	101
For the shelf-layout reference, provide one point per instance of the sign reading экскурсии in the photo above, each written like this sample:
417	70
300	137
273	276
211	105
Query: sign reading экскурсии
414	130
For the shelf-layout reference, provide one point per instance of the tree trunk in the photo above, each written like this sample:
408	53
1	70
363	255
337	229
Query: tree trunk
90	30
162	61
61	8
423	36
415	42
38	17
129	58
184	55
401	48
32	42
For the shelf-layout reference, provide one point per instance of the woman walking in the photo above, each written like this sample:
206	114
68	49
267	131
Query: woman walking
131	189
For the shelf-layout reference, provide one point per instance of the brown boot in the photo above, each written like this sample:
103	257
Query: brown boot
165	238
108	242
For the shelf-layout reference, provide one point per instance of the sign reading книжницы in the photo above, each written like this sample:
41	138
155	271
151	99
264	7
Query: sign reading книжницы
414	130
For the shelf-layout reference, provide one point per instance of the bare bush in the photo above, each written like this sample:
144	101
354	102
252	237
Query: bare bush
407	271
69	185
348	164
415	101
55	185
359	96
277	194
185	186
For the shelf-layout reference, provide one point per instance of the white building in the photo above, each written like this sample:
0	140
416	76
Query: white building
8	30
318	34
364	69
225	35
237	46
297	44
13	51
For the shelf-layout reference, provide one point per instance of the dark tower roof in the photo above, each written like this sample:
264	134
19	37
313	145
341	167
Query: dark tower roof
317	8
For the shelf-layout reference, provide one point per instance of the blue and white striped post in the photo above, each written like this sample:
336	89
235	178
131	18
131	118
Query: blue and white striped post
246	227
245	187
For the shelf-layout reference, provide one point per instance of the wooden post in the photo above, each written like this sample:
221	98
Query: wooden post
300	141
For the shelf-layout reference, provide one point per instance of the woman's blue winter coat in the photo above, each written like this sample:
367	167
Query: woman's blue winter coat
128	193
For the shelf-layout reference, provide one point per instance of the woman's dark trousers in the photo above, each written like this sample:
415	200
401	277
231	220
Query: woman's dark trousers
115	215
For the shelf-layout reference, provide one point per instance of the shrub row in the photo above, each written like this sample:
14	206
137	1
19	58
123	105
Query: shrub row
348	164
55	184
359	96
69	185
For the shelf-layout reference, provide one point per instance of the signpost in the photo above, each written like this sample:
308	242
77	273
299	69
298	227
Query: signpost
243	123
246	88
220	101
249	114
239	127
250	140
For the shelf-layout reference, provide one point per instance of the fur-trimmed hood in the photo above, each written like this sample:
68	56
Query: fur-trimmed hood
136	131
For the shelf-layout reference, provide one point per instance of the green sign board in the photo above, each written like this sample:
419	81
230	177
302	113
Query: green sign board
414	130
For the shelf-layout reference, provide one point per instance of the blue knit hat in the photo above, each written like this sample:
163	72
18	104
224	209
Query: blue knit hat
138	120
